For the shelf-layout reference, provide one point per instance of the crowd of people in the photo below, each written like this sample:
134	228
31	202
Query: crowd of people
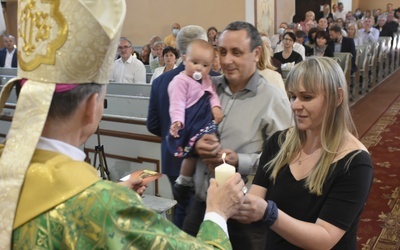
213	94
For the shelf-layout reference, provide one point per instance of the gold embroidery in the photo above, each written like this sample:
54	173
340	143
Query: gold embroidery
38	28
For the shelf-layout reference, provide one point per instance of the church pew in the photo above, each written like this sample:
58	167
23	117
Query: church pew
344	60
135	89
393	51
127	106
363	66
148	77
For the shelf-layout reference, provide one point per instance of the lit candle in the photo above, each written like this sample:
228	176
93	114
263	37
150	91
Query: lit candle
224	171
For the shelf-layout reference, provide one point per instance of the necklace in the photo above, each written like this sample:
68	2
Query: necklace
308	157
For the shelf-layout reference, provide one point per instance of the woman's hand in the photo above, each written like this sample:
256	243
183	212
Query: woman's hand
252	210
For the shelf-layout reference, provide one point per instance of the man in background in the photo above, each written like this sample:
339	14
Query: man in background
343	44
170	40
127	68
8	55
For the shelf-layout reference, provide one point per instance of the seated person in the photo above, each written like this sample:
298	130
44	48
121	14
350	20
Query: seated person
322	47
288	55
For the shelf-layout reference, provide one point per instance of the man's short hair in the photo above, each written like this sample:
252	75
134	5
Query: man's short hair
9	36
336	29
125	39
188	34
252	32
65	103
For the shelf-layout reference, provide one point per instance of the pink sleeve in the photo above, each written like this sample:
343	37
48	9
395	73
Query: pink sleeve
177	99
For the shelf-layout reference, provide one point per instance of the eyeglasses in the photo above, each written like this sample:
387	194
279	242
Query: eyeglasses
123	47
287	40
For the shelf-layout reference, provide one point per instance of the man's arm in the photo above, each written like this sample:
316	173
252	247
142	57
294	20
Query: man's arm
139	72
153	122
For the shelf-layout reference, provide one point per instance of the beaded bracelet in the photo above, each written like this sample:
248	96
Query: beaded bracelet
271	213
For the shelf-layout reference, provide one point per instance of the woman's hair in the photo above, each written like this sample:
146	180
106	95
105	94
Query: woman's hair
170	49
310	32
159	44
64	104
310	12
323	34
352	24
291	34
212	28
319	75
265	61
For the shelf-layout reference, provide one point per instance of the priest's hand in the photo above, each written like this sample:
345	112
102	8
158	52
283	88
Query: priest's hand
227	198
136	184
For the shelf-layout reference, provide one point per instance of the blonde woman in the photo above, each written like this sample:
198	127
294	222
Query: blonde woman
352	33
314	178
267	70
309	16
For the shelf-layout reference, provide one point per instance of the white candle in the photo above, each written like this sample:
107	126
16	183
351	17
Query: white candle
224	171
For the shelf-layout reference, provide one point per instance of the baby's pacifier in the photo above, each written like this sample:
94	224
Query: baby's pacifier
197	75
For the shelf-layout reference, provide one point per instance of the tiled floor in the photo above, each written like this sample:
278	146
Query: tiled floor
368	109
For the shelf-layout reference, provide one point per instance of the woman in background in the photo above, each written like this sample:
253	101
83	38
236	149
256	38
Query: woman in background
322	47
267	70
352	33
170	55
144	56
212	34
288	55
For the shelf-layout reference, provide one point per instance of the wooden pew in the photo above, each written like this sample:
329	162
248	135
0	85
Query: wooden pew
127	106
148	68
135	89
384	43
344	60
373	65
148	77
363	66
392	53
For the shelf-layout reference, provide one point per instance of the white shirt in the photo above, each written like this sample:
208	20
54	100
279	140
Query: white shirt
9	57
339	14
61	147
371	37
299	48
131	71
157	72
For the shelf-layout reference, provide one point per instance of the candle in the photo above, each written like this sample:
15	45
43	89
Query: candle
224	171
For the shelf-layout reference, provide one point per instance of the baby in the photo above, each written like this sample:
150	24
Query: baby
195	109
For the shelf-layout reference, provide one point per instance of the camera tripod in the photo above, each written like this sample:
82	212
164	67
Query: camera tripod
99	152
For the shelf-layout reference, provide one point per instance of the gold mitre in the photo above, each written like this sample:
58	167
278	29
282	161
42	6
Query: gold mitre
59	41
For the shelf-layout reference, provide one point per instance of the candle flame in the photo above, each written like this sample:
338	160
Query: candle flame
223	157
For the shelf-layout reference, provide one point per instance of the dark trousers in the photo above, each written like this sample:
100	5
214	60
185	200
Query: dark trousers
180	208
242	236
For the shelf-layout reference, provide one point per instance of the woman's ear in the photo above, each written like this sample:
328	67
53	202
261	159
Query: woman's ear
340	96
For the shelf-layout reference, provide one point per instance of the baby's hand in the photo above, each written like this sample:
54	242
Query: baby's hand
174	129
217	114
